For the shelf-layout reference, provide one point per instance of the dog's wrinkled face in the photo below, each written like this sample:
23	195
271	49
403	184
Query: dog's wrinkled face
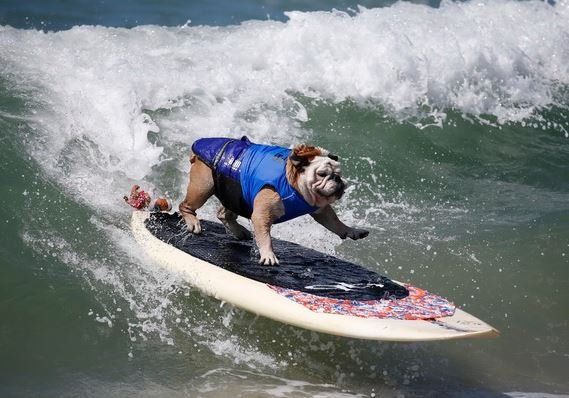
316	174
323	176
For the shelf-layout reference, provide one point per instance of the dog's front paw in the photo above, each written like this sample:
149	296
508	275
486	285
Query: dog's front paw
355	234
193	224
268	258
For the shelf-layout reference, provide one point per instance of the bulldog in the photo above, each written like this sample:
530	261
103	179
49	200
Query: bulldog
267	184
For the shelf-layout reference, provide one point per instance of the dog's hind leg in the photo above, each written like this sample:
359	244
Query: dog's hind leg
229	220
200	189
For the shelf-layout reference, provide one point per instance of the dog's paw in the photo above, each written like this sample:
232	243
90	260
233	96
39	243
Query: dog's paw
268	258
355	234
193	224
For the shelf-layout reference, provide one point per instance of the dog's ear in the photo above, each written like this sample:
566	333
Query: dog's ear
302	155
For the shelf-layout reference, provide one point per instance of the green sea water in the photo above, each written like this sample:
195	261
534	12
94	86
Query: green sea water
455	145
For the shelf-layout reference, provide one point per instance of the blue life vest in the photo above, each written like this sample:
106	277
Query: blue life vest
241	169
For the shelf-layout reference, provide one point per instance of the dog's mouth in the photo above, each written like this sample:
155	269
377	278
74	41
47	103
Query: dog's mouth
338	192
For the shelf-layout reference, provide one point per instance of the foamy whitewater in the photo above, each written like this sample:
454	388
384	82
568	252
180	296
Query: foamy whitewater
93	109
102	90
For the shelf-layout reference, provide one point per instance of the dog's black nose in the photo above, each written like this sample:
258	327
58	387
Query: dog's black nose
337	178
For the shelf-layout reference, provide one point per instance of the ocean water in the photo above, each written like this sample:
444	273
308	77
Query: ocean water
452	123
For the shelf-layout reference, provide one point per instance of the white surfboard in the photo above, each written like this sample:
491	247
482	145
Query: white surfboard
259	298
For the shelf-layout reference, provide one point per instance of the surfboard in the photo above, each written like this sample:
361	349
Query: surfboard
309	289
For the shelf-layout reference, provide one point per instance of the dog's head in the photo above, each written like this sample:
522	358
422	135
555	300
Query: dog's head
316	174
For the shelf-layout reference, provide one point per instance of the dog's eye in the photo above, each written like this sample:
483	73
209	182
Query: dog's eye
322	173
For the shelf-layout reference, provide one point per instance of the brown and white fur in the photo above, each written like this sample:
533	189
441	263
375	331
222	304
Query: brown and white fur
312	171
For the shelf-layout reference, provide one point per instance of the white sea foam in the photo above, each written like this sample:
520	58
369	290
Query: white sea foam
226	382
98	89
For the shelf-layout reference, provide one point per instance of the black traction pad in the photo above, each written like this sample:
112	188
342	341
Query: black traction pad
300	268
